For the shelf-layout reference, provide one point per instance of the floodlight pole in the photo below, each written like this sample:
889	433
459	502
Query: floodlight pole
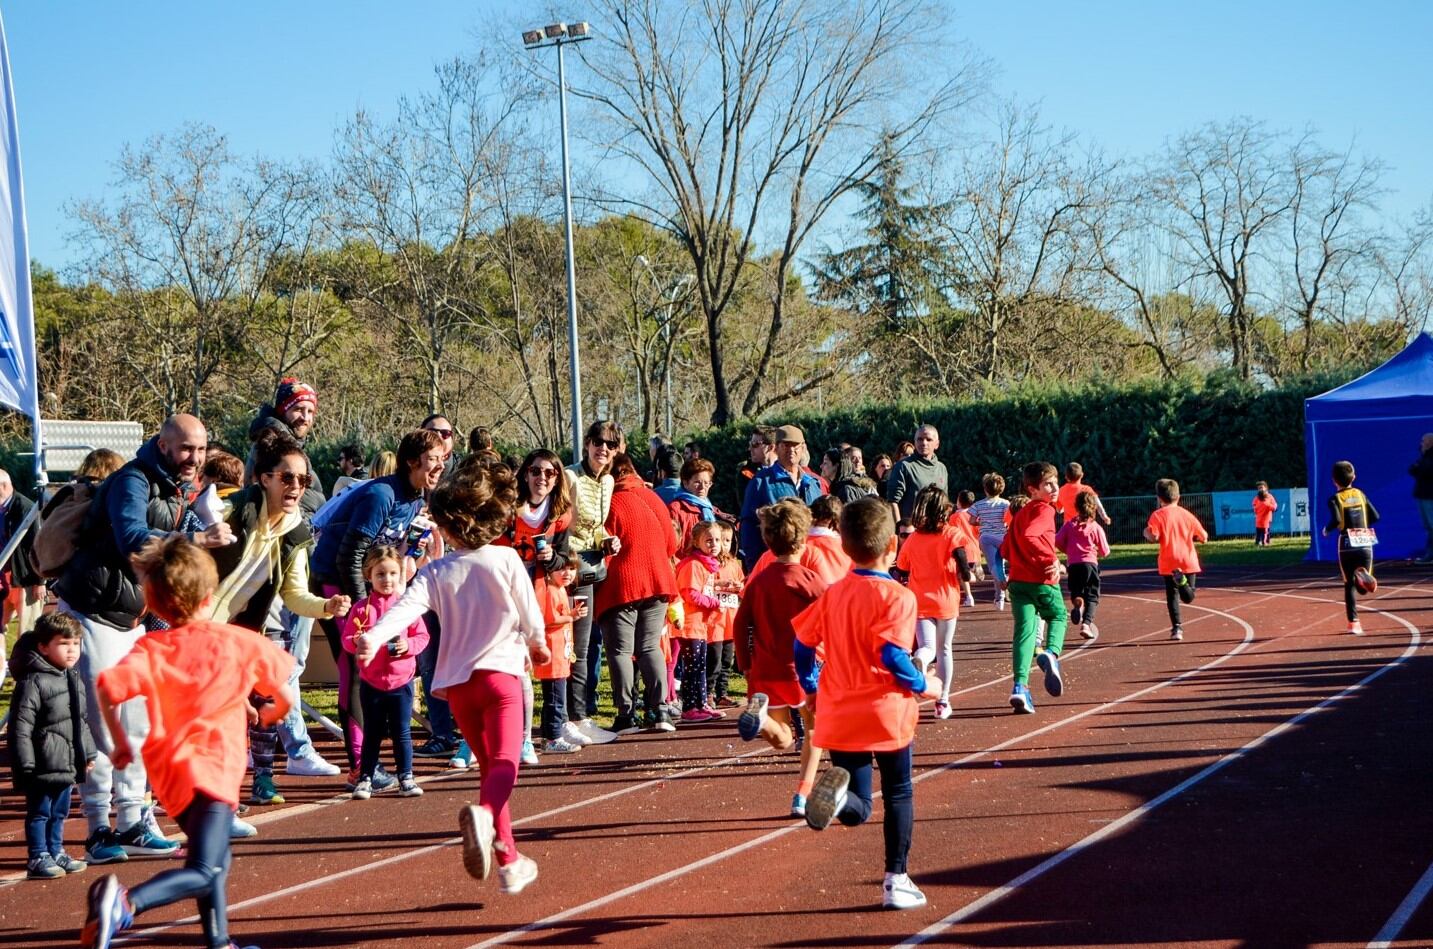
557	35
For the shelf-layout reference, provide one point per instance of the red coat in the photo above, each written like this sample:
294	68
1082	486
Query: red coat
1029	545
643	567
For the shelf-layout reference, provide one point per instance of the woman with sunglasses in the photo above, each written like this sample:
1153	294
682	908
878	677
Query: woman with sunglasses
590	482
377	511
269	560
440	425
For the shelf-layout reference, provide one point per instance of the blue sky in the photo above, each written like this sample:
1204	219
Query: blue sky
277	78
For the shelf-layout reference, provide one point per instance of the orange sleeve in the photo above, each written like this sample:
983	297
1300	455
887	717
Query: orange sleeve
125	680
269	664
809	623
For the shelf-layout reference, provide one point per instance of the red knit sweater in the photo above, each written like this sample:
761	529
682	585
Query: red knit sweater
643	568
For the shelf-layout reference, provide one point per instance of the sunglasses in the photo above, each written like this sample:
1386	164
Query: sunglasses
443	433
609	444
289	479
542	471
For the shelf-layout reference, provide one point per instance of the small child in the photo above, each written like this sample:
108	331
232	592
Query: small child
701	613
1264	507
969	532
765	638
990	515
194	752
721	646
1084	543
1176	531
49	739
822	551
933	560
1035	585
868	709
1352	515
558	612
1074	484
385	686
488	609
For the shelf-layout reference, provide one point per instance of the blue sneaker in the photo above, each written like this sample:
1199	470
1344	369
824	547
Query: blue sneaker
383	780
748	726
1050	665
102	847
462	759
1021	701
140	841
109	913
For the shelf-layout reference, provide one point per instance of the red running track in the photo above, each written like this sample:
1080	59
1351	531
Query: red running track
1263	783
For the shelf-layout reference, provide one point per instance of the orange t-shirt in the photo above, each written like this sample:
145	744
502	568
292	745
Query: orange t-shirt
860	706
694	578
1264	509
822	555
196	680
969	533
934	574
1065	500
731	571
1176	530
557	617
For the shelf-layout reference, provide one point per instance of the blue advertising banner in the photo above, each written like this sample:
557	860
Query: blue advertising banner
1234	512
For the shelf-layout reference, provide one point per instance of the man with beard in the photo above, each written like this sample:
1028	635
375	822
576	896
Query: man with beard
144	499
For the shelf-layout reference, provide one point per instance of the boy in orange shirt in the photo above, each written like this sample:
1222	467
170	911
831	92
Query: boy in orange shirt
1029	547
1264	507
1176	531
869	691
1074	484
197	677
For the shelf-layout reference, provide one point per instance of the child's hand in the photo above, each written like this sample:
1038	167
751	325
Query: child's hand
540	654
363	649
337	605
580	610
121	757
400	648
252	714
268	713
933	687
1052	573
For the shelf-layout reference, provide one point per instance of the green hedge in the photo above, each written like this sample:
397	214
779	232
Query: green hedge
1214	435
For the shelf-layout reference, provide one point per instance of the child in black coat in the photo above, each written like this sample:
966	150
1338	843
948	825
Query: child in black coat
50	742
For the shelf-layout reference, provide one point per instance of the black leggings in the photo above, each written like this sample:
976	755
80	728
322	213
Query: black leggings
1171	596
206	823
896	790
720	658
1085	584
1349	560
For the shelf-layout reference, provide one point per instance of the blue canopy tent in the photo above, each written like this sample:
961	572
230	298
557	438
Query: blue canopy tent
1376	422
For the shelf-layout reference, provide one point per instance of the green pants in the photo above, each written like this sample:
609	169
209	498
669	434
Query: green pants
1030	602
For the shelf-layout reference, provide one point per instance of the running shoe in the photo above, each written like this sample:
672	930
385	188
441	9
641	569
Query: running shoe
1021	700
435	747
662	722
1364	581
727	701
1089	631
798	805
625	725
407	787
264	791
559	746
310	764
749	724
462	759
139	841
1077	611
1049	664
515	877
43	867
969	600
1177	634
942	710
69	864
363	790
101	847
827	798
1356	628
109	913
241	829
899	892
476	824
694	715
529	753
1000	602
573	734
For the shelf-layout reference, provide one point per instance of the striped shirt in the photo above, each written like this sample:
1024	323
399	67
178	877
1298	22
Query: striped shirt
989	513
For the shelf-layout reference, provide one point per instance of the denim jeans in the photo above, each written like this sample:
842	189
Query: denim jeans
554	707
896	791
45	811
1425	509
298	633
387	714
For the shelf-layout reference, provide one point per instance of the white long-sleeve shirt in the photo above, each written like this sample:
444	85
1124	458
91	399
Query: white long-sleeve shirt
486	604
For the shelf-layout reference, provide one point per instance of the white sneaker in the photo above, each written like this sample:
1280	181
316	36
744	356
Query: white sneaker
1000	602
942	710
476	824
310	764
574	735
529	753
899	892
1089	631
969	600
515	877
242	829
595	733
559	746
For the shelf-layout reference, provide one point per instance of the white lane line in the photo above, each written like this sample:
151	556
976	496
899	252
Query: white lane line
996	895
1394	927
548	922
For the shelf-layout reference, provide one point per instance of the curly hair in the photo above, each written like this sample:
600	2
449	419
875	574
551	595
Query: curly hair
271	448
177	577
475	506
784	526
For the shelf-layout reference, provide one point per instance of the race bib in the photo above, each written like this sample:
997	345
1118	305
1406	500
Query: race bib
1361	537
728	601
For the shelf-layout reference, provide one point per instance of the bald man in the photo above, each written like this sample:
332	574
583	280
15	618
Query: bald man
144	499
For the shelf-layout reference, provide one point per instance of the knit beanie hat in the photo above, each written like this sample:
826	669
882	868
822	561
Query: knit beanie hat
291	392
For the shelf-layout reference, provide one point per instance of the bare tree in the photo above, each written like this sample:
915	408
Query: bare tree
754	114
1406	269
186	250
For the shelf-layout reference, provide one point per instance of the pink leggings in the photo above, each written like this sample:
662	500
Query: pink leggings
488	709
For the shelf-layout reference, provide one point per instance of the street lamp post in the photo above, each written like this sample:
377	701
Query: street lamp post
683	281
559	34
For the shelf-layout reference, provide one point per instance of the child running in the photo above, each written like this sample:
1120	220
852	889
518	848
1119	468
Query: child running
701	613
822	551
1084	542
196	678
1035	586
765	641
869	692
486	604
1074	484
1176	531
49	739
1264	507
933	560
558	613
990	514
1352	515
385	686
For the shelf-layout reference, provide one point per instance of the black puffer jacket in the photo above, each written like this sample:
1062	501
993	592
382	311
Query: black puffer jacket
313	496
49	737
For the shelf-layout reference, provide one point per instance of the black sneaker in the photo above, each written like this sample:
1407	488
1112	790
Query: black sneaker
625	725
659	721
435	747
1182	587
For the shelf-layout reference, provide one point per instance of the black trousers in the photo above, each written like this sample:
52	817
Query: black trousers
205	874
1085	583
1349	560
1171	596
897	792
